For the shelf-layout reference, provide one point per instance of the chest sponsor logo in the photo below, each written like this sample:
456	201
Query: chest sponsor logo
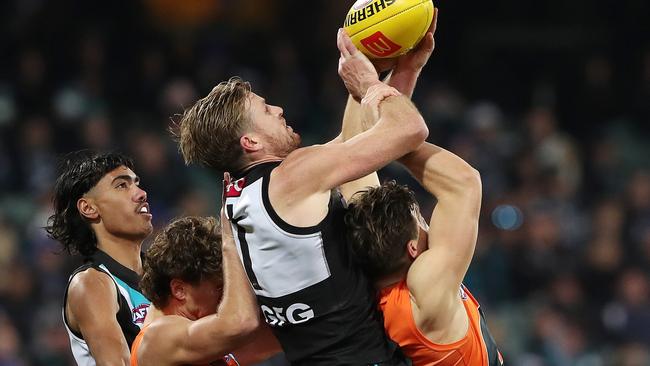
139	313
234	188
294	314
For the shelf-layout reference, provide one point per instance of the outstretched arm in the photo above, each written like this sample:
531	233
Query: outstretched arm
304	179
435	275
404	75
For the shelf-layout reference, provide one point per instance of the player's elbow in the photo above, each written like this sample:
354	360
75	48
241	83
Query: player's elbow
243	324
417	132
469	182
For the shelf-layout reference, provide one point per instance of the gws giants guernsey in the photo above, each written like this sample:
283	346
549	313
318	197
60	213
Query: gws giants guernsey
321	307
133	305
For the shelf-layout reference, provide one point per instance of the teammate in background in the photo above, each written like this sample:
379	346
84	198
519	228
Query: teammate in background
101	213
183	277
289	217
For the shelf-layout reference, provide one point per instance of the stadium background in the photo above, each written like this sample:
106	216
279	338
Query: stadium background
549	100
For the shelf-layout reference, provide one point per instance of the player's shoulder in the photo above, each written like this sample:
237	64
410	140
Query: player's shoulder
91	283
166	329
300	153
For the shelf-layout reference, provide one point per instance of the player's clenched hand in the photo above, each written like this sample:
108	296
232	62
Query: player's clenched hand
356	71
415	59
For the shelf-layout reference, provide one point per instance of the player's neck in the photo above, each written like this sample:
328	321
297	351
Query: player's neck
175	307
261	160
125	251
389	280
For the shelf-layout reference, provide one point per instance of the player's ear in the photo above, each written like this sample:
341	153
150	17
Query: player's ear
250	143
178	289
87	208
412	249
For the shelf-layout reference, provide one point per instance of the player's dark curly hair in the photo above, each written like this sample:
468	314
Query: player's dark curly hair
379	224
80	171
188	249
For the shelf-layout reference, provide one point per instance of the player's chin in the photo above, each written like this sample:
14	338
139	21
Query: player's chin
148	229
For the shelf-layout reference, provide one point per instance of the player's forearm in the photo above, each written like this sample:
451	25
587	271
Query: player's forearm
351	125
238	308
401	118
443	173
108	352
403	81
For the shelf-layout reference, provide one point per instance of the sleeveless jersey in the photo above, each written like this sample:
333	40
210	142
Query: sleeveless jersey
477	348
132	304
319	304
227	360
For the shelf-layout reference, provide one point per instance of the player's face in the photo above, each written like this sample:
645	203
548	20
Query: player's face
204	298
121	205
268	121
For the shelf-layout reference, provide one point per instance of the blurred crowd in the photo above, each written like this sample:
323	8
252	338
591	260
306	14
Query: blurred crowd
551	104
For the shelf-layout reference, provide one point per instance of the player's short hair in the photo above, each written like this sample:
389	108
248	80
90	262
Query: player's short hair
80	171
188	249
209	131
379	223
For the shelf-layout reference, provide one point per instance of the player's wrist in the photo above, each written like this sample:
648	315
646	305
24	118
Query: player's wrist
367	85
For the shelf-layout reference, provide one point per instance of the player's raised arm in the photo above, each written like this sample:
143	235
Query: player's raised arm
436	274
404	73
191	330
399	129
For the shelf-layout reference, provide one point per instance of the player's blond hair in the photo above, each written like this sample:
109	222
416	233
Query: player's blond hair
208	133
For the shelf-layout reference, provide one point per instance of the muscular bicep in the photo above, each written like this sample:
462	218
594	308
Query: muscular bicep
92	303
453	226
452	235
179	340
399	130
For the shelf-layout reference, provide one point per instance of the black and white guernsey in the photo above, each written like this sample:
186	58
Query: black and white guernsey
320	305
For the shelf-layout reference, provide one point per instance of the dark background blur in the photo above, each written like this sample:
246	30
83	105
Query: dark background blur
549	100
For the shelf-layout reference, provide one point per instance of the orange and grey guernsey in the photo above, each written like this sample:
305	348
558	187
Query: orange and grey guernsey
477	348
227	360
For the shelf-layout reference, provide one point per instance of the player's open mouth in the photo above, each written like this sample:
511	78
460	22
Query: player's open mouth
144	209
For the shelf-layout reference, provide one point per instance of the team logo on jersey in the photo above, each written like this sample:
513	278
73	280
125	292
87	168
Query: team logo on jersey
379	45
234	188
139	313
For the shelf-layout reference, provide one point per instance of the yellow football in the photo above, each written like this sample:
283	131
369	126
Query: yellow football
388	28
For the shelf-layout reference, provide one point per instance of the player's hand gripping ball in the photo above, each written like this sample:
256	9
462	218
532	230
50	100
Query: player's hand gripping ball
388	28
